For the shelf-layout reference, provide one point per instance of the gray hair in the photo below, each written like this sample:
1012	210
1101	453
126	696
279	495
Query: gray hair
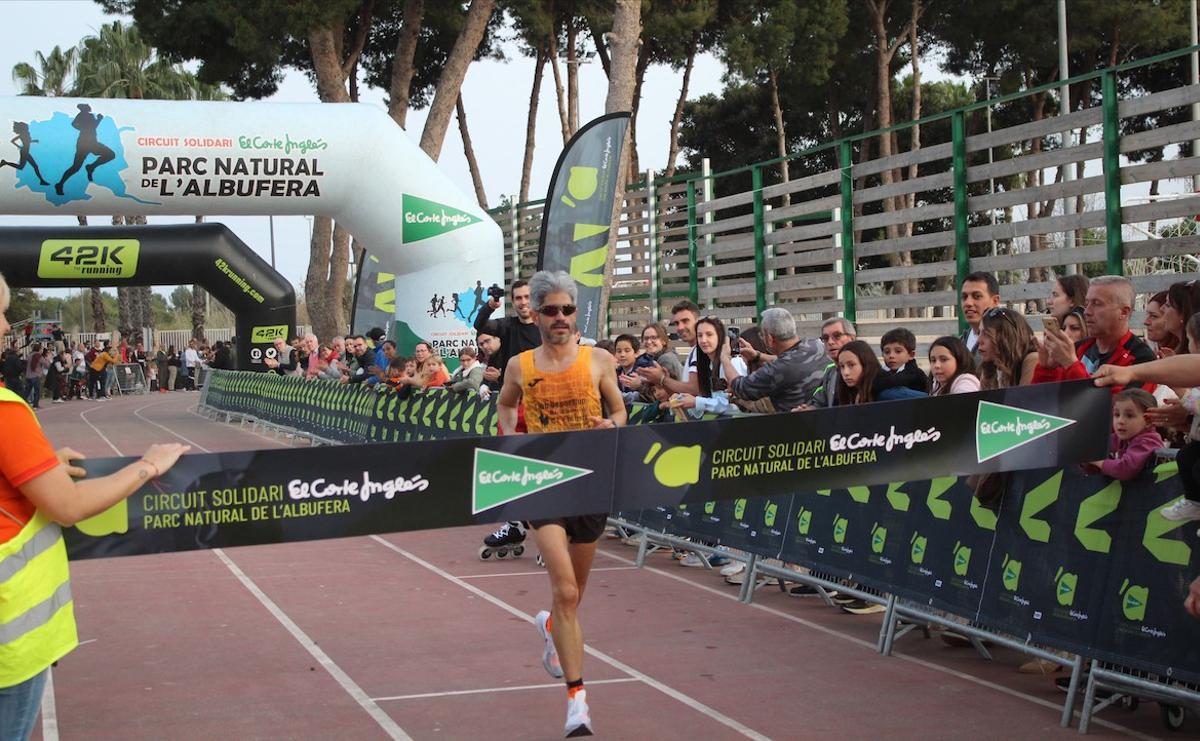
779	323
847	325
1121	285
544	282
5	297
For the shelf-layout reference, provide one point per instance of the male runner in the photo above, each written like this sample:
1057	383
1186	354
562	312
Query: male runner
565	386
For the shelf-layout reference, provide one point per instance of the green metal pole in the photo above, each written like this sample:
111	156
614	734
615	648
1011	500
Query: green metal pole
693	287
962	239
845	163
760	258
1112	174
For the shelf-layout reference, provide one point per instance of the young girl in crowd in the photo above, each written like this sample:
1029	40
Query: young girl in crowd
951	367
1133	440
1007	350
469	375
1182	301
710	371
1069	292
1074	325
857	370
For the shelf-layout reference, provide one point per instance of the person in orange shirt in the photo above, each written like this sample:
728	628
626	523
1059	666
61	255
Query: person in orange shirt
38	494
564	386
96	371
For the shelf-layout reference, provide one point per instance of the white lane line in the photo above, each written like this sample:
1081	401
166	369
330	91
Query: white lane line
351	687
95	429
671	692
542	571
871	645
490	690
49	710
138	413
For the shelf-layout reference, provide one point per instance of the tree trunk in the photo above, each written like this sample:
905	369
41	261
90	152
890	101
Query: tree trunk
884	53
572	76
403	68
627	29
780	132
452	76
469	151
563	121
323	44
339	270
643	62
601	50
317	279
199	306
914	284
531	125
677	119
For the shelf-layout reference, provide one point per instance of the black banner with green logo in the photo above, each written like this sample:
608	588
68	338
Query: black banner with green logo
579	208
1082	563
1071	561
268	496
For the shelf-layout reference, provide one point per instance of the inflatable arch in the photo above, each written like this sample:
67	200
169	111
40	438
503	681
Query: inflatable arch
209	255
348	161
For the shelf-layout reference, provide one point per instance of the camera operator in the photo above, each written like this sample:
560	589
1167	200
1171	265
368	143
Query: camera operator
516	334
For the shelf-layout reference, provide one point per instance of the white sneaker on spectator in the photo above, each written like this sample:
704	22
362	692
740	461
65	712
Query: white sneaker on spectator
1183	509
693	561
733	567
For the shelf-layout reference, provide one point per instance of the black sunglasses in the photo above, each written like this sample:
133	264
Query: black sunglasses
1001	313
552	310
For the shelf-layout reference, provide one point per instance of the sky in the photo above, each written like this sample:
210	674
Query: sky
495	95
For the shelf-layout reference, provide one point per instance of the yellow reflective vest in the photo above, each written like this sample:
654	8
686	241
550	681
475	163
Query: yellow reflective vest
37	616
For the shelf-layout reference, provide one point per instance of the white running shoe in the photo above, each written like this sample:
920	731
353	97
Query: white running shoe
733	567
579	721
693	561
1183	509
549	653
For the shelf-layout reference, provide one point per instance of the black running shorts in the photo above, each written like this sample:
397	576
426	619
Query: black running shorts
580	529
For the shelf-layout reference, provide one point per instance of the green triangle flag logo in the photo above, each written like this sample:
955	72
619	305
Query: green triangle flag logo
424	218
500	478
1000	428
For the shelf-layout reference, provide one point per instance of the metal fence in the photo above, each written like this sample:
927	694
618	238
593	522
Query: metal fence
878	239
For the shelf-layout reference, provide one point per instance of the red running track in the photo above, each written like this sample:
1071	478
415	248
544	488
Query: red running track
411	636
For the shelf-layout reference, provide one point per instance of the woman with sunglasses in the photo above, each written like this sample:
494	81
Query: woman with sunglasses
1007	349
710	372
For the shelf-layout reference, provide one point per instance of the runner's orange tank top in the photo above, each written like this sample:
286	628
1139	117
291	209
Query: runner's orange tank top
560	401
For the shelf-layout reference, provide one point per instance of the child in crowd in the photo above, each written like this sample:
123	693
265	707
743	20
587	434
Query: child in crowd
857	370
951	367
607	346
900	373
1133	440
397	369
625	350
1188	507
469	375
713	345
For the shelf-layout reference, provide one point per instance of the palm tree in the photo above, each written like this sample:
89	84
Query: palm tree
118	63
52	77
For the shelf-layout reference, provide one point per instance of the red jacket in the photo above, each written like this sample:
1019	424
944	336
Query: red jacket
1130	350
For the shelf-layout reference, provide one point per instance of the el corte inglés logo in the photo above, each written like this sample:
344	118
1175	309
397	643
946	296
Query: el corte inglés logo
424	218
500	478
1000	428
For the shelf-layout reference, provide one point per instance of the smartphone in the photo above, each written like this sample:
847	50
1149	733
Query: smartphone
733	333
1050	323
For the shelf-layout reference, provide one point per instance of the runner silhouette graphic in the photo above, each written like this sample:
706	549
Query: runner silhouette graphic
87	144
22	142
